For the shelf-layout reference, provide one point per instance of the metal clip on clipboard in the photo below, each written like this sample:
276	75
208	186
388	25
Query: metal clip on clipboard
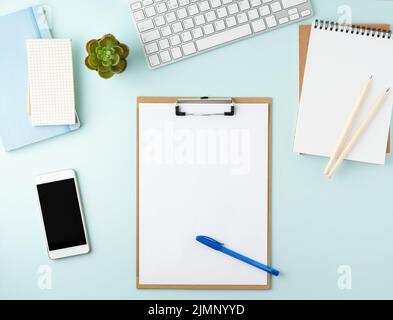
205	100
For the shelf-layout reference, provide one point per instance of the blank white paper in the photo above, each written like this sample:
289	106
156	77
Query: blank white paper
184	192
338	66
51	82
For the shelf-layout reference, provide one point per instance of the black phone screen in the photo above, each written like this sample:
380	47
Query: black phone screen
62	216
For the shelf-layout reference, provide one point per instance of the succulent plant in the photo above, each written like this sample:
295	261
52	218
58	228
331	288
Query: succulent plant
107	56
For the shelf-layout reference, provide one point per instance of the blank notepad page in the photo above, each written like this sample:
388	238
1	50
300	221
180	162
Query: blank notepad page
51	82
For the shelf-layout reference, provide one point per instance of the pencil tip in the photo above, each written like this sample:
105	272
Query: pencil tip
371	76
388	89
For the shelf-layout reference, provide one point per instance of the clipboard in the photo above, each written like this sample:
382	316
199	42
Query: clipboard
179	112
304	39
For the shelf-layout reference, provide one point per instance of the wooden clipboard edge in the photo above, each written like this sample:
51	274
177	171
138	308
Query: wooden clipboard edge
304	40
268	101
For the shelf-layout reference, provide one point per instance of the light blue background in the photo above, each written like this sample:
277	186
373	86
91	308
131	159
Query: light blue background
317	225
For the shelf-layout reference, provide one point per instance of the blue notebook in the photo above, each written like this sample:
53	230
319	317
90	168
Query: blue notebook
16	130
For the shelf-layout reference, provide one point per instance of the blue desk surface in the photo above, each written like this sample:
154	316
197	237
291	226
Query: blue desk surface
317	225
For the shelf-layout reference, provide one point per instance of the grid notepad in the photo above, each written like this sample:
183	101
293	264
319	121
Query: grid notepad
51	82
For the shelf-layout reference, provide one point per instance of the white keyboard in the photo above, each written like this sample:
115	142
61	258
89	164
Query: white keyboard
171	30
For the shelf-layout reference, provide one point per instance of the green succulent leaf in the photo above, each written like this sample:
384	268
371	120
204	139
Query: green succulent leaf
104	68
111	37
108	41
91	46
107	63
120	67
119	50
104	43
106	74
115	59
93	61
125	49
89	65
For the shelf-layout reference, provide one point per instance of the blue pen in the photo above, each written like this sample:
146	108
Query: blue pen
214	244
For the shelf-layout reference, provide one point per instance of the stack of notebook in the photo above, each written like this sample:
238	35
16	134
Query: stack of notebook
17	127
335	63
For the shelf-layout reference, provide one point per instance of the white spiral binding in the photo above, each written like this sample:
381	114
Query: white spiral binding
353	29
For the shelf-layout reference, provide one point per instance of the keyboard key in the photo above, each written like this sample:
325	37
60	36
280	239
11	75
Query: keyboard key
189	48
154	60
145	25
159	21
165	56
215	3
188	23
164	43
255	3
181	13
294	16
242	17
290	3
150	36
138	15
283	20
193	9
197	33
231	21
264	11
219	25
147	2
208	29
172	4
161	7
253	14
176	53
175	40
244	5
177	27
222	12
226	1
210	16
292	11
258	25
204	6
186	36
166	31
233	8
271	21
150	12
276	6
223	37
170	17
199	20
184	2
136	6
151	48
305	13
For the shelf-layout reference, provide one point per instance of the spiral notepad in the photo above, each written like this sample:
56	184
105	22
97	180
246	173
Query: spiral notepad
51	82
340	60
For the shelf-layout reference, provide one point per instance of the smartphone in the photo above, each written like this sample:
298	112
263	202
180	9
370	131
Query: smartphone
62	214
